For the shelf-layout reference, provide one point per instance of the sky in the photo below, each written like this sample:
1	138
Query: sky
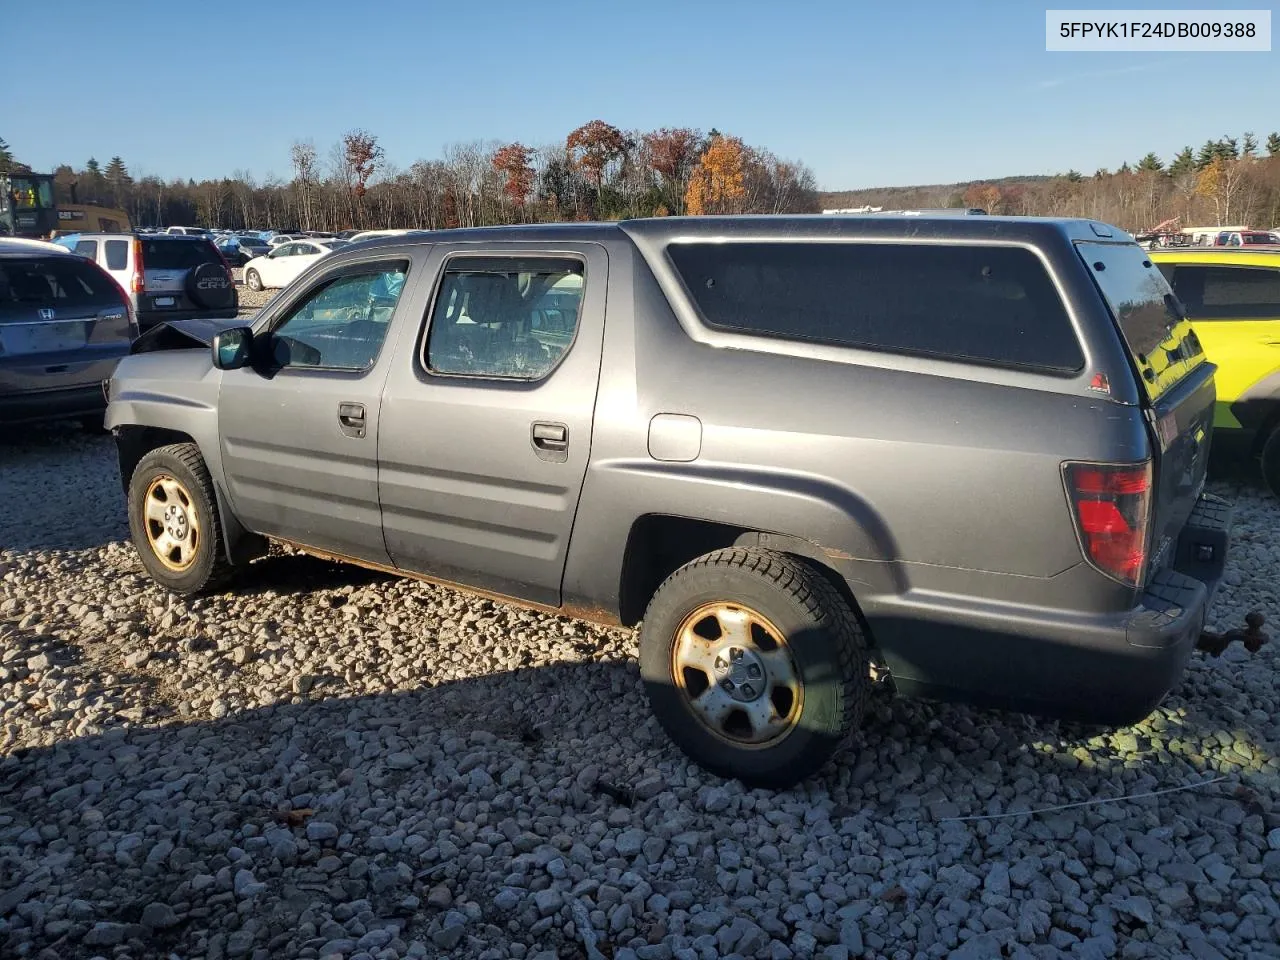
867	93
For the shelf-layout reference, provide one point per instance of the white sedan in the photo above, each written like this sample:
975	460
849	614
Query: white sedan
287	261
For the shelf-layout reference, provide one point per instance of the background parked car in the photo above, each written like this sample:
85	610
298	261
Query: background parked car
278	238
19	244
1232	297
64	323
187	231
166	276
239	249
286	262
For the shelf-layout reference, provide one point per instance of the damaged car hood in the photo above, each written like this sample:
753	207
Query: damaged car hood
183	334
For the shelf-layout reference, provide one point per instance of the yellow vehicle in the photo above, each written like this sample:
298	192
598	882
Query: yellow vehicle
91	218
1232	297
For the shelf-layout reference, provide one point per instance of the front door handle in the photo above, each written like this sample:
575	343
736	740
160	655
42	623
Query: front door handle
550	440
351	419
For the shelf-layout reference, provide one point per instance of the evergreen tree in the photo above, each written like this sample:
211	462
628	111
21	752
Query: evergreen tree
1150	164
6	157
1250	148
1184	162
1273	144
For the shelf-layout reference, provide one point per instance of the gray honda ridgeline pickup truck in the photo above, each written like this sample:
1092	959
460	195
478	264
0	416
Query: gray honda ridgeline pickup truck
963	457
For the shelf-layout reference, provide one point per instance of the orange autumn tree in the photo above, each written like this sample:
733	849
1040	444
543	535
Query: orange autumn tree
719	181
512	161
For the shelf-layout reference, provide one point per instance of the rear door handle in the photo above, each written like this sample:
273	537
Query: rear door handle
550	440
351	419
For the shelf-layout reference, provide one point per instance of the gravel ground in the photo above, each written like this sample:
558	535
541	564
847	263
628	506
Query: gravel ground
328	762
250	301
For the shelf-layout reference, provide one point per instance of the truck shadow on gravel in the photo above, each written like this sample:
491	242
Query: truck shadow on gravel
438	815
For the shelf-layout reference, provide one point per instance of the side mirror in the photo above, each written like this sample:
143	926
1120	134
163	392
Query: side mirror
231	348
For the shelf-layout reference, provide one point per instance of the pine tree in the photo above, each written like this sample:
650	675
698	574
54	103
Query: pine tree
1273	144
118	180
6	157
1184	162
1150	164
1208	153
1250	148
1074	176
92	168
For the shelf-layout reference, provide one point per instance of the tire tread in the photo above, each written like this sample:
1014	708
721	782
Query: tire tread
822	602
188	454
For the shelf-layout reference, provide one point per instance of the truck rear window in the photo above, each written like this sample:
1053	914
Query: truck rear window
982	304
1148	314
177	254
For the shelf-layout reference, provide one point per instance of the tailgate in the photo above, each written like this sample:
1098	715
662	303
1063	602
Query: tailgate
1177	380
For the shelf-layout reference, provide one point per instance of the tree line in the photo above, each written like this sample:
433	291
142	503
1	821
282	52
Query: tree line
599	172
1230	180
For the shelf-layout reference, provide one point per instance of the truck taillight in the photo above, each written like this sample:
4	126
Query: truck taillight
138	283
1111	507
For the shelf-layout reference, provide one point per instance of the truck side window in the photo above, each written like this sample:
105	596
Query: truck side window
341	324
506	317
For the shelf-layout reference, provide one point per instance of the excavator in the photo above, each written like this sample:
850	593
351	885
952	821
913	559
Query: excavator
27	209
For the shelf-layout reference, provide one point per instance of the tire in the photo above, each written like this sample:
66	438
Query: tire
1271	461
253	280
176	476
800	720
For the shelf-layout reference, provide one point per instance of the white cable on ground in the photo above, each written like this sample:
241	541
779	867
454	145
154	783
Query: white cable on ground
1083	803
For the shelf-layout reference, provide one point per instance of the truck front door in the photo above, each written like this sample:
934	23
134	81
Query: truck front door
299	429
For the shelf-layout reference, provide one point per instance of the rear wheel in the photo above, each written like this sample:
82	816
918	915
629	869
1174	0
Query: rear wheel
253	280
1271	461
173	518
754	665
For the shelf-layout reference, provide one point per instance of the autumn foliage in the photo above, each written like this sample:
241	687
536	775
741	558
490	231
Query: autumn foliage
597	172
512	161
719	182
593	146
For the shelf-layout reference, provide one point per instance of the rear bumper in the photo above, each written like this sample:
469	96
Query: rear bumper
1110	668
39	406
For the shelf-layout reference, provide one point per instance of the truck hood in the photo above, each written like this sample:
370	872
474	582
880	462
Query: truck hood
182	334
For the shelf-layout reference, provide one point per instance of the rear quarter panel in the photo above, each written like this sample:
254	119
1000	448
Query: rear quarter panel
923	476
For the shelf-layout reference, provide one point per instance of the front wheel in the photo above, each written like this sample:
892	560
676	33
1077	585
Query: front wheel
754	665
173	519
253	280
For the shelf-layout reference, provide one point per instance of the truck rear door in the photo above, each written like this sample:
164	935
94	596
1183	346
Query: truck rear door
487	416
1177	380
